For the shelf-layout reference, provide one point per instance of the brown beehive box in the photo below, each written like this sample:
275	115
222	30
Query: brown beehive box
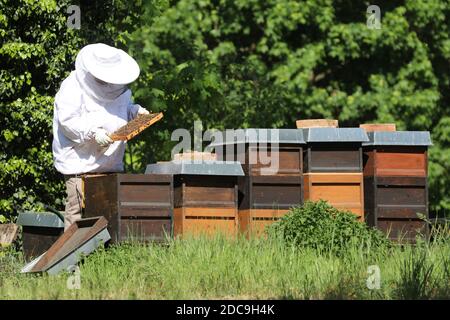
137	206
265	199
333	150
317	123
136	126
342	190
395	179
393	205
264	151
205	196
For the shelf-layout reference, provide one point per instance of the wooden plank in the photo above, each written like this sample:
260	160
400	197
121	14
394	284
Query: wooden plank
289	160
326	157
317	123
253	222
401	161
402	229
342	190
145	230
8	233
136	126
77	234
195	155
197	221
371	127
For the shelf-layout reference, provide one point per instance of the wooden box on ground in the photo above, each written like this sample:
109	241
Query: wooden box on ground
138	207
205	196
265	199
395	178
344	191
333	149
262	151
39	231
78	241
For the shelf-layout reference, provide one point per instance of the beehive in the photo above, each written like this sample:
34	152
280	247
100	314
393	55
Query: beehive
333	167
205	196
138	207
395	178
39	231
272	160
265	199
262	151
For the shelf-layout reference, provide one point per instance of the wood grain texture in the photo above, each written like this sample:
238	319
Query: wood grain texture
121	197
342	190
396	201
400	161
135	126
371	127
252	222
270	192
37	240
201	221
403	229
317	123
8	233
333	157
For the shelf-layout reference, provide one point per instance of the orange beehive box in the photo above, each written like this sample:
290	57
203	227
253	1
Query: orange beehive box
342	190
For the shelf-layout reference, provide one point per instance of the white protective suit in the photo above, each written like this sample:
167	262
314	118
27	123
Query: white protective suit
81	107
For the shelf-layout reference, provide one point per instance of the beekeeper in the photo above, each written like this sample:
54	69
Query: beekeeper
92	102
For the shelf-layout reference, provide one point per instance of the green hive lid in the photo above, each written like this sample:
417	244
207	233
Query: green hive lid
214	168
335	135
39	219
399	138
254	135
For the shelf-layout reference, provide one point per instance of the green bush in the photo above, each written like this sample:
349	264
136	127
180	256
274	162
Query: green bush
320	226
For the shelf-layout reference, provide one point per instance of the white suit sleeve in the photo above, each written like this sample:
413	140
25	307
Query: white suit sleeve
133	110
74	124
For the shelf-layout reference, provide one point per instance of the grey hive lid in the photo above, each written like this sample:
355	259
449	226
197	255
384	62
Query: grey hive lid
335	135
39	219
254	135
213	168
399	138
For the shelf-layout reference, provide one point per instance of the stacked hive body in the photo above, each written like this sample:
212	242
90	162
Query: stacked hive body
395	179
333	167
137	206
273	167
205	196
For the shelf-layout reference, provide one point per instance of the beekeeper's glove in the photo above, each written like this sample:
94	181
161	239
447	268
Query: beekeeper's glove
102	138
143	111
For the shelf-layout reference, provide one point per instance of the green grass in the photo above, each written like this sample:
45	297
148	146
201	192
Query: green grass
220	268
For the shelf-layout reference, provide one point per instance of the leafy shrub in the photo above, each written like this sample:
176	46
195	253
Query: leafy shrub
320	226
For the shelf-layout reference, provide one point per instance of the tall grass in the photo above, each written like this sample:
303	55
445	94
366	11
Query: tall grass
221	268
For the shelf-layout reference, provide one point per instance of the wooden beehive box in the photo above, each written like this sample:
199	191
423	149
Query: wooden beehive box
265	199
205	196
397	154
138	207
333	149
40	230
395	178
345	191
263	151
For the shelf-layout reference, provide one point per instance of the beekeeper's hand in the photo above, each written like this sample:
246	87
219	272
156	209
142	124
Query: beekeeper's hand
143	111
102	138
